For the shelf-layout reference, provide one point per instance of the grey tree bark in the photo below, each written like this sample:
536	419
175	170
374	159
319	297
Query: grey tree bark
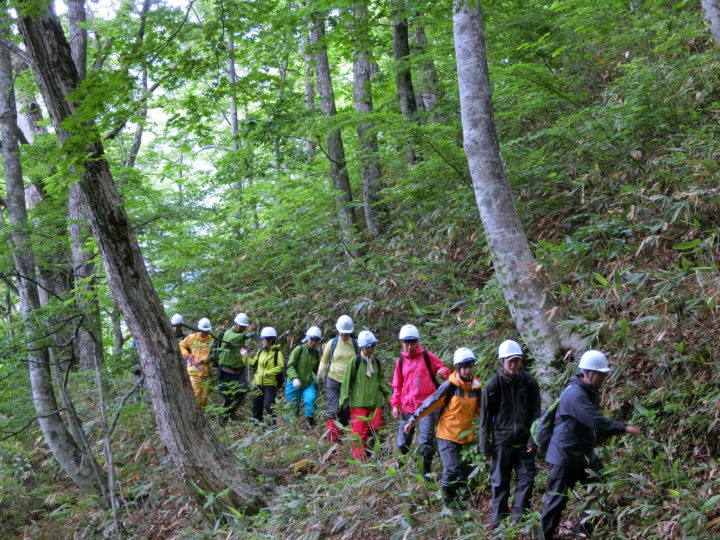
362	91
88	341
333	139
712	16
197	454
403	74
512	259
428	81
76	463
310	145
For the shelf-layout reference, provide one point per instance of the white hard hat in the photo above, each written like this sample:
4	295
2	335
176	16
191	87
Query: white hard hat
344	324
176	320
242	320
595	361
267	332
204	325
366	339
313	332
463	355
408	332
509	348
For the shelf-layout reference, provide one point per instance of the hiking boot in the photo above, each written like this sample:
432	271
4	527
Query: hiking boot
310	421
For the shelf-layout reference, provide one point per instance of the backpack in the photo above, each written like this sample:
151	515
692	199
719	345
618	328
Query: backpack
334	343
214	357
542	428
426	356
280	377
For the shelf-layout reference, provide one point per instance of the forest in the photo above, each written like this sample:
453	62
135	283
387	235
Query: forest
534	170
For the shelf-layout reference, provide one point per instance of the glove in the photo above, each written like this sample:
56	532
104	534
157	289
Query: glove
296	383
443	373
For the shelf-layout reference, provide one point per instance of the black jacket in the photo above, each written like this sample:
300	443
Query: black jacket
577	419
508	407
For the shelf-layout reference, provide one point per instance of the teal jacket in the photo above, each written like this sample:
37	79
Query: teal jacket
232	342
359	390
303	362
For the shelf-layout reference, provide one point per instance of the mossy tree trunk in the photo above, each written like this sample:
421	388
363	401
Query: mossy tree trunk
197	454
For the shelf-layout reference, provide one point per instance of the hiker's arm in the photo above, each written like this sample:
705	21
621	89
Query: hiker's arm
292	363
486	416
431	404
276	369
397	382
535	412
345	389
590	416
439	369
324	362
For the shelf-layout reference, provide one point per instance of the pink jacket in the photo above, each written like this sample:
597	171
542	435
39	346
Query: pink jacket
414	384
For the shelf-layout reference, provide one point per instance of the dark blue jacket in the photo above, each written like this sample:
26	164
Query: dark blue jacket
577	420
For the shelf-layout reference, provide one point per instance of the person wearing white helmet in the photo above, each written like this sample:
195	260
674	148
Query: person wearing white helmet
510	404
365	391
195	349
457	403
338	353
578	420
302	367
268	363
176	324
232	366
413	382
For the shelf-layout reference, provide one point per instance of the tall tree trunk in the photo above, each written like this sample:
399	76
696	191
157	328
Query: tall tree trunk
335	148
310	145
428	81
362	91
712	16
232	80
55	432
193	447
514	264
88	341
403	74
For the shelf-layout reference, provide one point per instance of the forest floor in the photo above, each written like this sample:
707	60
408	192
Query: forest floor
317	491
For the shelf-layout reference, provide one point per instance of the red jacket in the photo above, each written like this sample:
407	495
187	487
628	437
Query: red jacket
415	384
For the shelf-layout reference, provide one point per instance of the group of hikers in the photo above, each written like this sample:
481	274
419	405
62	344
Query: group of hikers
442	412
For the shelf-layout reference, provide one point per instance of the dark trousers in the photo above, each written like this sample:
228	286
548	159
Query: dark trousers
263	401
561	480
504	459
455	469
426	437
232	387
341	414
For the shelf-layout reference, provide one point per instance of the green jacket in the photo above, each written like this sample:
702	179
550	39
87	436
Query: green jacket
232	342
366	392
303	362
267	368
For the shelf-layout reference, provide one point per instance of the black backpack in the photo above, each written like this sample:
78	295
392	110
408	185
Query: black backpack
280	377
426	356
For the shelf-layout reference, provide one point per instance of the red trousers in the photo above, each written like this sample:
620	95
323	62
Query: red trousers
364	422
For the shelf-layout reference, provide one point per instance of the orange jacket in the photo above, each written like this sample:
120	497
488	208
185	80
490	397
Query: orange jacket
459	402
199	347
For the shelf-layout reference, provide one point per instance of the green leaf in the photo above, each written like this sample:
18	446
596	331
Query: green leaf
604	282
711	503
